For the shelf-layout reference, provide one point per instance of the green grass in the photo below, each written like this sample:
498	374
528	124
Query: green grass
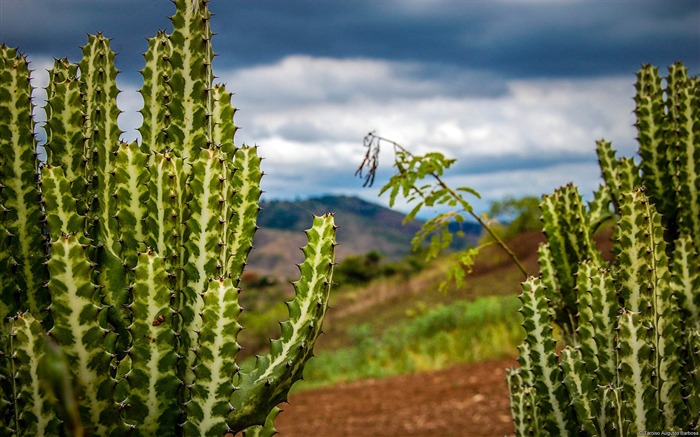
460	332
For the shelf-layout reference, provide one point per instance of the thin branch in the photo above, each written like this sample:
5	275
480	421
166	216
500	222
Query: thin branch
371	160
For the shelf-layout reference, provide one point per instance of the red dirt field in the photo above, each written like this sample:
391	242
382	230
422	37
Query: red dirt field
462	401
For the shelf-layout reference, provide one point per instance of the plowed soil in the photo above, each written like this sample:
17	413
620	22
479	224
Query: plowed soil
463	401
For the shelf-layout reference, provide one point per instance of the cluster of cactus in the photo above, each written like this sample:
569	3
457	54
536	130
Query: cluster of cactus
120	262
631	327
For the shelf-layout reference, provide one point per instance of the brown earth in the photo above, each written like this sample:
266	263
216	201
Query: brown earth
466	400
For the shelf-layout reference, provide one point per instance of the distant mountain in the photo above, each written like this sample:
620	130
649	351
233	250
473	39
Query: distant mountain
362	227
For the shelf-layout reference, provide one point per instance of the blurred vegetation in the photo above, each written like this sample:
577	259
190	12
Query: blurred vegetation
262	294
512	216
361	269
429	339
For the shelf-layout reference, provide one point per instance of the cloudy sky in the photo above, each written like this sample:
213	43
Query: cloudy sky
517	91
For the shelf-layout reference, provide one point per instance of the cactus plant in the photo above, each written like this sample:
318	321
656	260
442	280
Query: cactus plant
120	263
630	327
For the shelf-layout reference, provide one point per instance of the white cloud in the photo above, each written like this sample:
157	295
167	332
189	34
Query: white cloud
309	115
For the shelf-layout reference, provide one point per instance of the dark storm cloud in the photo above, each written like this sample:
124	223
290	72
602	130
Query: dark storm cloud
517	91
525	39
492	164
57	28
510	39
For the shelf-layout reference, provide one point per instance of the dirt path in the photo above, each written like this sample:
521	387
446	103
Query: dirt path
464	401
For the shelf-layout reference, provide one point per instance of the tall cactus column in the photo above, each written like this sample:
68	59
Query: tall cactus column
121	263
630	327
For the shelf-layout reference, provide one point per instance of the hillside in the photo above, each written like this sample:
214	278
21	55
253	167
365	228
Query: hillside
362	226
470	398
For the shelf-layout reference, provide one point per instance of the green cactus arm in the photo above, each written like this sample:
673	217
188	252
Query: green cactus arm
205	223
620	175
266	430
101	132
520	407
552	398
205	226
638	233
587	341
60	205
98	82
548	272
523	396
157	95
653	148
692	380
115	274
609	169
166	205
64	121
223	129
580	235
556	240
244	207
685	283
570	241
215	361
604	306
79	328
525	361
239	195
34	415
7	388
259	390
639	393
612	413
191	60
683	130
599	207
152	381
628	178
670	367
685	280
644	279
131	191
581	387
668	347
167	230
22	246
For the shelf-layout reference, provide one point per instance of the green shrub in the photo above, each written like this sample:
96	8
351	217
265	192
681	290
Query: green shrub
432	340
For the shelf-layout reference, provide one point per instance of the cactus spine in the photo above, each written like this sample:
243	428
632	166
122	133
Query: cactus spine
122	262
630	363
